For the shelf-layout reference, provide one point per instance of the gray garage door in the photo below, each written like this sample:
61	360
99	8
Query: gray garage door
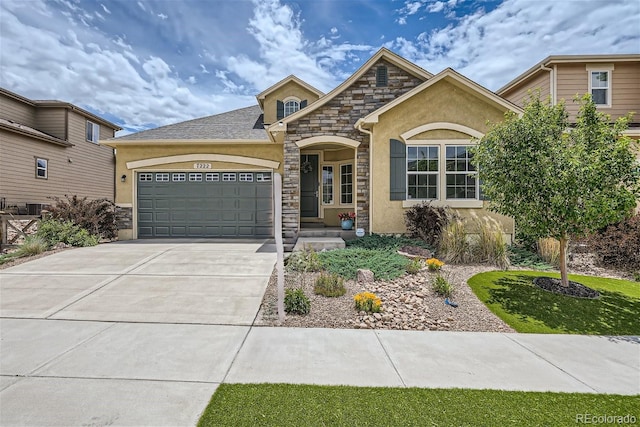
204	204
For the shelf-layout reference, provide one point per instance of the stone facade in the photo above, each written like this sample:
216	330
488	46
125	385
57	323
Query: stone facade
124	217
337	118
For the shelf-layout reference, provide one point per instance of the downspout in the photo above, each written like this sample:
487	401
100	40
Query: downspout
370	133
552	82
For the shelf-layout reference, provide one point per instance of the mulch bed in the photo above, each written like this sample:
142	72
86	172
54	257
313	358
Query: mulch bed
573	290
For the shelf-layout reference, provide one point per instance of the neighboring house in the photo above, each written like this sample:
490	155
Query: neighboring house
612	80
390	136
50	148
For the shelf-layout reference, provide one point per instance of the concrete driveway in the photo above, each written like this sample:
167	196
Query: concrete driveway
203	283
131	333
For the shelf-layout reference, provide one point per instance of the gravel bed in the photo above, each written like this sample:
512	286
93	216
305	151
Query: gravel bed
408	303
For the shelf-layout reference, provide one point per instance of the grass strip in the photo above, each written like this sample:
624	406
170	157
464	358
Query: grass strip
309	405
513	297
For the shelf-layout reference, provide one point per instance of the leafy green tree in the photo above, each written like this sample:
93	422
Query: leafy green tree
557	181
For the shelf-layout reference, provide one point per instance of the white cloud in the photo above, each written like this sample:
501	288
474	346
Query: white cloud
203	69
162	16
105	9
334	30
436	7
142	6
494	47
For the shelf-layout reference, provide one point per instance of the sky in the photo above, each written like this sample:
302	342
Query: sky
148	63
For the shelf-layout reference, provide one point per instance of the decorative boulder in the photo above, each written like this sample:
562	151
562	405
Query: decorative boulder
365	277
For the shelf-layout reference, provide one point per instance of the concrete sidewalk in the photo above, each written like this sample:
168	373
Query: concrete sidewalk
57	372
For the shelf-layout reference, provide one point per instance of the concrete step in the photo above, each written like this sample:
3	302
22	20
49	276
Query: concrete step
327	232
318	243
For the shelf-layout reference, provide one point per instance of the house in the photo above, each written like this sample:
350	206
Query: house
612	80
390	136
50	148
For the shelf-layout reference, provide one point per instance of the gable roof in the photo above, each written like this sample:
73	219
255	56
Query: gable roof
243	124
291	78
385	53
19	128
446	74
565	59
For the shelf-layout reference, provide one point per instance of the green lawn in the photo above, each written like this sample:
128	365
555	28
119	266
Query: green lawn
513	297
306	405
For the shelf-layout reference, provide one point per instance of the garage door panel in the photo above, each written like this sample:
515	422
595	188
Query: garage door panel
204	208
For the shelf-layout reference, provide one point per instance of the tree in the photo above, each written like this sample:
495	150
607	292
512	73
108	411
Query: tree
556	181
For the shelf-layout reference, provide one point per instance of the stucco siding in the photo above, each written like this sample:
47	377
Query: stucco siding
289	89
126	154
52	121
519	94
442	102
17	111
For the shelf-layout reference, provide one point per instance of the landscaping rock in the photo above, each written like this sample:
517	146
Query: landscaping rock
365	277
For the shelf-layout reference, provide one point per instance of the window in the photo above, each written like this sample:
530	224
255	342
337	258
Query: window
599	87
179	177
346	184
382	78
291	107
212	177
197	177
422	172
246	177
327	185
162	177
263	176
461	175
228	177
145	177
42	168
93	132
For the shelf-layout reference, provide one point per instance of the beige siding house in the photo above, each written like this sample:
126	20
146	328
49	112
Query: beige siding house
50	148
612	80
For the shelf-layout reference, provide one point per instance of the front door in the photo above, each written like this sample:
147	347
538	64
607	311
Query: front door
309	185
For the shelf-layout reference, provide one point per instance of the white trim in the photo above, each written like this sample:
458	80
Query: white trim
291	98
200	157
441	125
328	139
124	205
599	67
461	204
609	72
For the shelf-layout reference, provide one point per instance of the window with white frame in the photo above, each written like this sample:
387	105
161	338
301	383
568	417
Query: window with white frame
42	168
246	177
162	177
179	177
599	86
461	176
263	176
291	107
228	177
212	177
346	184
422	172
327	185
93	132
145	177
195	177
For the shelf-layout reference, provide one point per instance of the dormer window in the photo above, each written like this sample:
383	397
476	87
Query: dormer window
291	107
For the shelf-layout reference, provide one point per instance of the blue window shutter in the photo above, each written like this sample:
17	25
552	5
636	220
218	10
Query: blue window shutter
398	175
303	104
279	110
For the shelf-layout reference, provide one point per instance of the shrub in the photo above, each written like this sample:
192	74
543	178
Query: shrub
98	217
33	245
618	245
384	264
414	266
304	261
296	302
53	232
330	285
426	222
549	250
380	241
489	246
523	257
442	286
454	247
366	301
434	264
